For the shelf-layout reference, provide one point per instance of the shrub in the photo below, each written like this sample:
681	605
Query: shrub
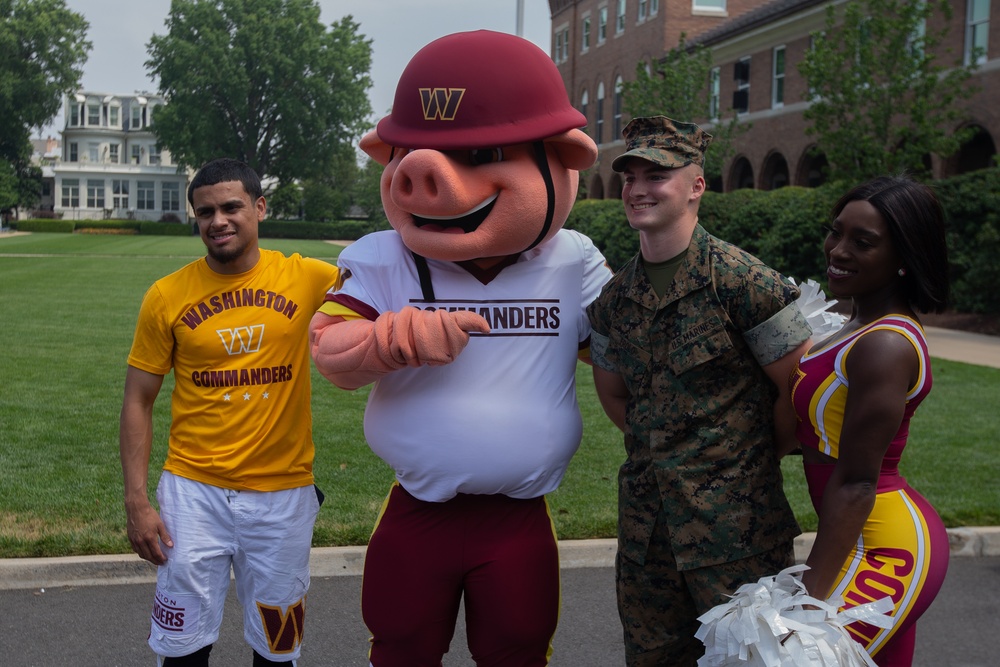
972	206
784	229
345	230
604	221
45	226
106	226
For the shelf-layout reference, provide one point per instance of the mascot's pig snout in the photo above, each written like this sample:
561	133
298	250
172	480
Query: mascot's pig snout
427	180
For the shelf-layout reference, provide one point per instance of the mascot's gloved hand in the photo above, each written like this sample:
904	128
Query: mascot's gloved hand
353	353
415	337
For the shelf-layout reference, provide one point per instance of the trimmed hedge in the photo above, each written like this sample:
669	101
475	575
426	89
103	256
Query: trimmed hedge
784	228
972	204
603	220
348	230
345	230
43	226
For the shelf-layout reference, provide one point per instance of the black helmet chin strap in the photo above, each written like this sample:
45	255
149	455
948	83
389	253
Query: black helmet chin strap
550	191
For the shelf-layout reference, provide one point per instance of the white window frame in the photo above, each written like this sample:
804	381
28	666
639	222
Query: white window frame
602	25
145	193
170	195
599	116
585	34
95	193
119	193
620	17
744	85
616	109
778	78
709	6
975	27
70	193
714	93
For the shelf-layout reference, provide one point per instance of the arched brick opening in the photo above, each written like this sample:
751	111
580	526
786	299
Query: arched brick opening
811	172
740	175
977	153
595	187
614	187
774	174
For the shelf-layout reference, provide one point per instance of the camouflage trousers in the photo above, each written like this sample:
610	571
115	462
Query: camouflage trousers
659	606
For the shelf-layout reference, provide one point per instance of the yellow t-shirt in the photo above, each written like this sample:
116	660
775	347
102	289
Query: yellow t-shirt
239	349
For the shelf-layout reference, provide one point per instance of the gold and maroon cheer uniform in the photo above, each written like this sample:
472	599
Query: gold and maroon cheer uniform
902	551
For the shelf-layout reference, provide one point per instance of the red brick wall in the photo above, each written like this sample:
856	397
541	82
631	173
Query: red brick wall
773	131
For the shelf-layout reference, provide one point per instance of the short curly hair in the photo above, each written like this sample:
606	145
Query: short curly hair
223	170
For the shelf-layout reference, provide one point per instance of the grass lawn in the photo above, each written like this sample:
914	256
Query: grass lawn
69	308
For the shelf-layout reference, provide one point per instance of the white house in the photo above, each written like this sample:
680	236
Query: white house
111	166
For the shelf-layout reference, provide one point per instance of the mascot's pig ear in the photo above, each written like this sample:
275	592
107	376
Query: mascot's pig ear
575	149
376	149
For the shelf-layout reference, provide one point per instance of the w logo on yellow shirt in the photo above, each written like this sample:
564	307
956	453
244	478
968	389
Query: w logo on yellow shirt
441	103
242	340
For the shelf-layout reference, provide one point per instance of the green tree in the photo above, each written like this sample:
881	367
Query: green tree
263	81
368	194
285	202
20	183
8	186
883	91
43	48
328	197
679	89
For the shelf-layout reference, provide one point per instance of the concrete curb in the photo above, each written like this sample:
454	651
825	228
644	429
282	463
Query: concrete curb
39	573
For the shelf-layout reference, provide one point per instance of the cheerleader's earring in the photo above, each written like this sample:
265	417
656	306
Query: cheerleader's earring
901	272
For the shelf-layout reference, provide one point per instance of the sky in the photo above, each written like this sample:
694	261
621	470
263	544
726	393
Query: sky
120	31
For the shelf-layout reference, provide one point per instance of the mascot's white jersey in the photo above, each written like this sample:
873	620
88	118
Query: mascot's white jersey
503	417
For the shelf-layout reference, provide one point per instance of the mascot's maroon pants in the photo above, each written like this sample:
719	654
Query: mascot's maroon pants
499	551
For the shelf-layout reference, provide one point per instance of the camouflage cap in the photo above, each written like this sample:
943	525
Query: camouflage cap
668	143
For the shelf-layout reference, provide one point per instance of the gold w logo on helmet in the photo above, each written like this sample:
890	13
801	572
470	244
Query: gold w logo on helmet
441	103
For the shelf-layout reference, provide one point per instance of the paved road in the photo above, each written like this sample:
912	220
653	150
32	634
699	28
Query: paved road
106	625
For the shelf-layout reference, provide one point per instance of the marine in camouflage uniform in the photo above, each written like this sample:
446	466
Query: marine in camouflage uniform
701	505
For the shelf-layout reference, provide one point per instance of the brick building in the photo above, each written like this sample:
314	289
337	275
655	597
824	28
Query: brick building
756	48
597	44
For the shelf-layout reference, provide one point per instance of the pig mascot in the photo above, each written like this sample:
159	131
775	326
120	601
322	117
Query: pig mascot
468	316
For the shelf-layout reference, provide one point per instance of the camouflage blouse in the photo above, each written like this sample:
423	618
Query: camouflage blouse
699	419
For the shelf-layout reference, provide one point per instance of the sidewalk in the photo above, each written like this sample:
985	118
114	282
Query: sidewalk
969	348
41	573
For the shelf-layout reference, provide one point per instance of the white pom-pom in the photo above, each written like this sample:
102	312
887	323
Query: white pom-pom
765	625
815	306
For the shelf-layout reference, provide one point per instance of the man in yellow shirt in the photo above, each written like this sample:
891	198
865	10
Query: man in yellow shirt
237	489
